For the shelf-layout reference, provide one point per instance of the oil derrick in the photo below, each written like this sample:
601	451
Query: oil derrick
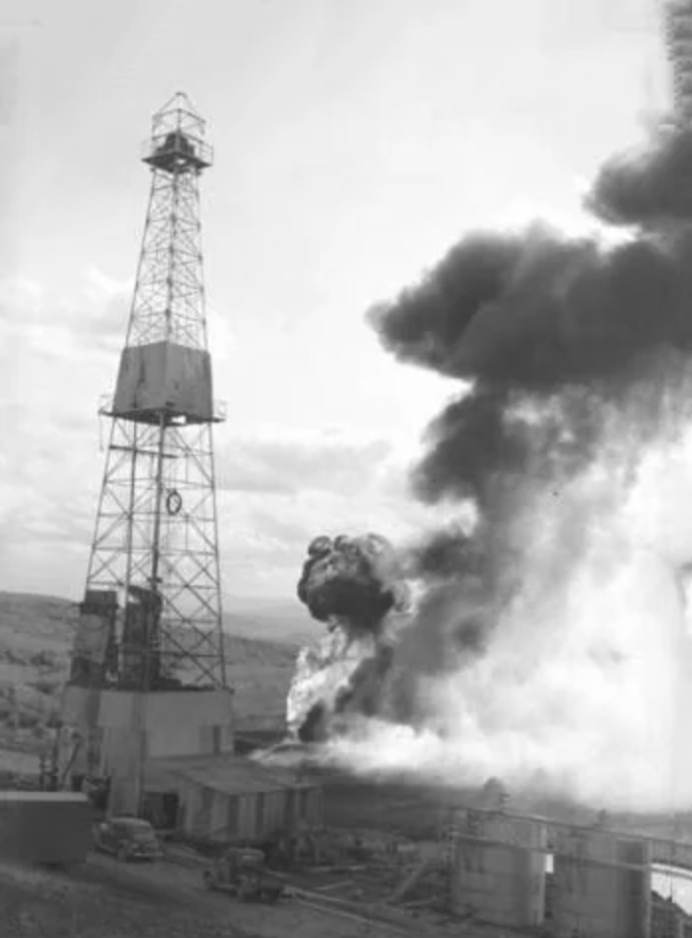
151	621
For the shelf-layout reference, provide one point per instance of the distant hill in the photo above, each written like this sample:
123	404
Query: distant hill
35	641
281	621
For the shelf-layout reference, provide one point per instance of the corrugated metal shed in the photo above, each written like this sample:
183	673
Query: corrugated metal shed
233	799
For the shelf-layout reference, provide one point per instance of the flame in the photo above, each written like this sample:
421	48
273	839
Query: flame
325	670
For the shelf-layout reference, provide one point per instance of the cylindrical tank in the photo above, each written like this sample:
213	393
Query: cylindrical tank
499	869
602	880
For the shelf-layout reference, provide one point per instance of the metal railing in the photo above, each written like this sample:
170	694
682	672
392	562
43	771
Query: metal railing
106	404
179	145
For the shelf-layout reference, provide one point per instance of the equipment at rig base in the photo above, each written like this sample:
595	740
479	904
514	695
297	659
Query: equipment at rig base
151	619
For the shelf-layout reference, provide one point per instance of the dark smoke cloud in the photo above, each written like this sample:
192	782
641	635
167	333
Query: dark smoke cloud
353	584
535	313
462	579
354	580
456	618
549	332
495	431
464	587
447	552
364	693
565	349
652	186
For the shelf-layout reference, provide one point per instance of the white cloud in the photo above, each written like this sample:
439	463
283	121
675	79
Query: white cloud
220	336
277	460
99	286
21	299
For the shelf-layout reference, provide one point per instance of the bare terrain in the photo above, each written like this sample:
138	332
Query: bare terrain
105	897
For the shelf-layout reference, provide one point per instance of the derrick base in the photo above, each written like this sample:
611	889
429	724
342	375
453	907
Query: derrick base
187	722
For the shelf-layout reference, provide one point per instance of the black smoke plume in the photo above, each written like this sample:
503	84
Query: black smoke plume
565	349
555	342
650	188
352	580
352	584
555	326
563	326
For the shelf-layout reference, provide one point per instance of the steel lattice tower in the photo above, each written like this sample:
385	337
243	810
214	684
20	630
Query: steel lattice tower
155	548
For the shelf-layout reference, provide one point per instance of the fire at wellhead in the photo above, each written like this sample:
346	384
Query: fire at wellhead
355	586
546	643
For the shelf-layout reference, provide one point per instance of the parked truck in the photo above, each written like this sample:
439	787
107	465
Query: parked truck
242	872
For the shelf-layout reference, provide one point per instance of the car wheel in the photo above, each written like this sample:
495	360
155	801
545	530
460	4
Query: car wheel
123	855
208	879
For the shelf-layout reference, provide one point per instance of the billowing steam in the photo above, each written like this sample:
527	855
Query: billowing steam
353	585
550	642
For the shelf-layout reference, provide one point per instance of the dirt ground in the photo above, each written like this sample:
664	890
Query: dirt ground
107	899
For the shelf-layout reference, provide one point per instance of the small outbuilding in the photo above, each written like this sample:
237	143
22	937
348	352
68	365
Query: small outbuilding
230	799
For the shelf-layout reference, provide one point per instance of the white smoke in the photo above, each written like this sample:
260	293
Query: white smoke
587	682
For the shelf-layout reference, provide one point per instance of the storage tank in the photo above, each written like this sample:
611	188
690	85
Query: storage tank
51	827
602	884
499	868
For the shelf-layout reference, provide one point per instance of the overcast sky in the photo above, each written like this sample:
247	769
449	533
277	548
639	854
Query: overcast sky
355	140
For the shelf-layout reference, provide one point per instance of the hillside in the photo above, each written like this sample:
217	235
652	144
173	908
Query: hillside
35	640
285	622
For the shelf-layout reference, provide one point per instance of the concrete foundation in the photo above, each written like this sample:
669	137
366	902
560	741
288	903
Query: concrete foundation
602	885
499	869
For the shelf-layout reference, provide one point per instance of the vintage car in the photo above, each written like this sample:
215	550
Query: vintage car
128	838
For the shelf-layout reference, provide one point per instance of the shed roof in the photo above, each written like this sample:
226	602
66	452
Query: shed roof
225	773
64	797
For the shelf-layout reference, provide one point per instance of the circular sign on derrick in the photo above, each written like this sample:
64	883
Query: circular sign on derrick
174	502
